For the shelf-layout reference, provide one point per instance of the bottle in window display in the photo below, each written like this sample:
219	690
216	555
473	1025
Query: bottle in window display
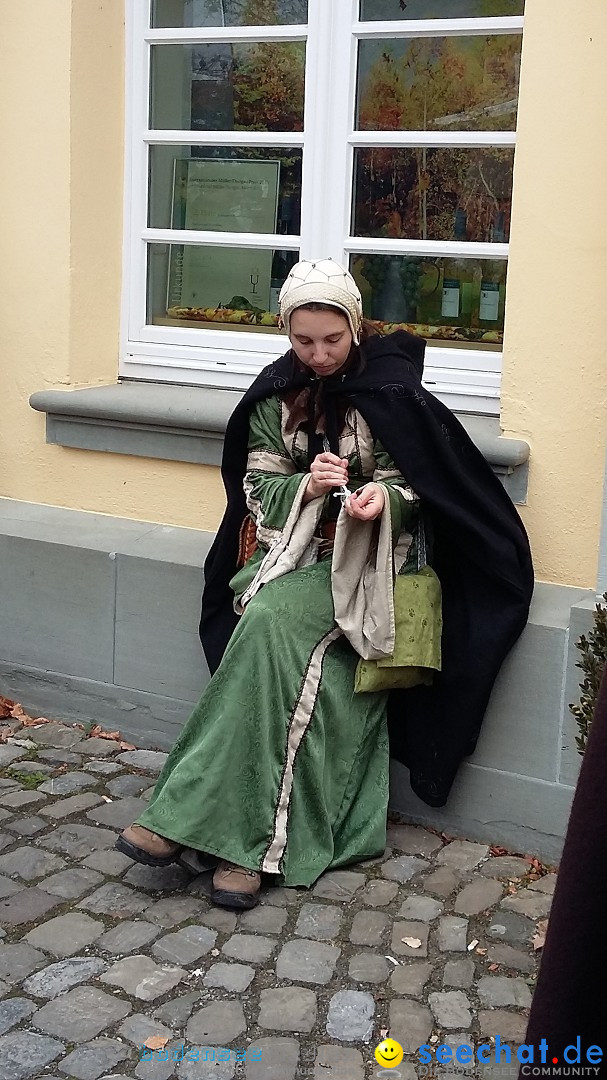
283	260
493	285
458	281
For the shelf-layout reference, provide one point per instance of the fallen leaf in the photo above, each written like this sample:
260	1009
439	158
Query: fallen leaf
496	850
412	942
126	746
6	705
538	941
494	967
512	889
155	1042
33	721
482	952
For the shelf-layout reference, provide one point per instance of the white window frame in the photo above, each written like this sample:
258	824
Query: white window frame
466	379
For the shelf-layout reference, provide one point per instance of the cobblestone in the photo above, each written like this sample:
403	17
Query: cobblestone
319	921
307	961
216	1024
67	783
118	814
403	868
530	902
29	863
88	1062
13	1012
410	979
128	936
65	934
350	1017
24	1054
416	934
17	961
368	967
150	761
452	934
338	1063
279	1058
339	885
451	1009
232	977
369	928
57	978
319	971
290	1008
81	1014
477	896
412	1021
140	977
462	855
250	947
422	908
184	946
459	973
379	893
497	990
25	906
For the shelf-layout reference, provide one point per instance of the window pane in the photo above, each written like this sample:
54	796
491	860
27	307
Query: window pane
223	87
446	299
433	194
226	188
208	285
228	12
438	9
439	84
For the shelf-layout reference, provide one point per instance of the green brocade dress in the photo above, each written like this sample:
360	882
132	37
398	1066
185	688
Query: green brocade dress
281	767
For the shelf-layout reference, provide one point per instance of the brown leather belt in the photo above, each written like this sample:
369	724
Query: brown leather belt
327	530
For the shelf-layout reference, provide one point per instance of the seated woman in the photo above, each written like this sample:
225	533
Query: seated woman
283	766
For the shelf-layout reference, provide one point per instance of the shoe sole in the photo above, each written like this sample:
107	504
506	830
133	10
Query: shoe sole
235	900
138	854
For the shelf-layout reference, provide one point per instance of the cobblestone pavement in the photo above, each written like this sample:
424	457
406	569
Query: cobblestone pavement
432	942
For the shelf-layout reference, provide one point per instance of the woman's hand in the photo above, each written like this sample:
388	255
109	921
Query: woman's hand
327	471
366	504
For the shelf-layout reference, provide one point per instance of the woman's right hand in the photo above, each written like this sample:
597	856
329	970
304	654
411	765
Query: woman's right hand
327	471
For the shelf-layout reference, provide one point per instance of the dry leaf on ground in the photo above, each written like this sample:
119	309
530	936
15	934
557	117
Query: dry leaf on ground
539	938
155	1042
6	705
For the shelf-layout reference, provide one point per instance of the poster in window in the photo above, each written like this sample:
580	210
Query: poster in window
223	195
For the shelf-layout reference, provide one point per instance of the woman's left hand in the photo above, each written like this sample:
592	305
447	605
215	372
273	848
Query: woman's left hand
366	504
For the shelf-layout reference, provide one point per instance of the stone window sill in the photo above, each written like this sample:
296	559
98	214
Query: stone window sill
186	423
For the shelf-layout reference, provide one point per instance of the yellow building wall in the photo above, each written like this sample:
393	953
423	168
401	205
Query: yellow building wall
554	386
61	205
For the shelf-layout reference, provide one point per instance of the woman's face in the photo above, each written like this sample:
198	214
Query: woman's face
321	339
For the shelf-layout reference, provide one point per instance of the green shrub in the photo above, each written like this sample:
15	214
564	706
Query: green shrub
593	651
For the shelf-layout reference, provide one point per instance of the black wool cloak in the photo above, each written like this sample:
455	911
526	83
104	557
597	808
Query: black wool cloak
479	548
569	999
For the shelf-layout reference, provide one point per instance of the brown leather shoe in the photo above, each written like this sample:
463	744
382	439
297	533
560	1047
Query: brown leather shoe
235	886
147	847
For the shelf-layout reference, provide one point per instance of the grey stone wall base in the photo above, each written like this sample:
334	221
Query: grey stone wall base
148	720
520	813
100	623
